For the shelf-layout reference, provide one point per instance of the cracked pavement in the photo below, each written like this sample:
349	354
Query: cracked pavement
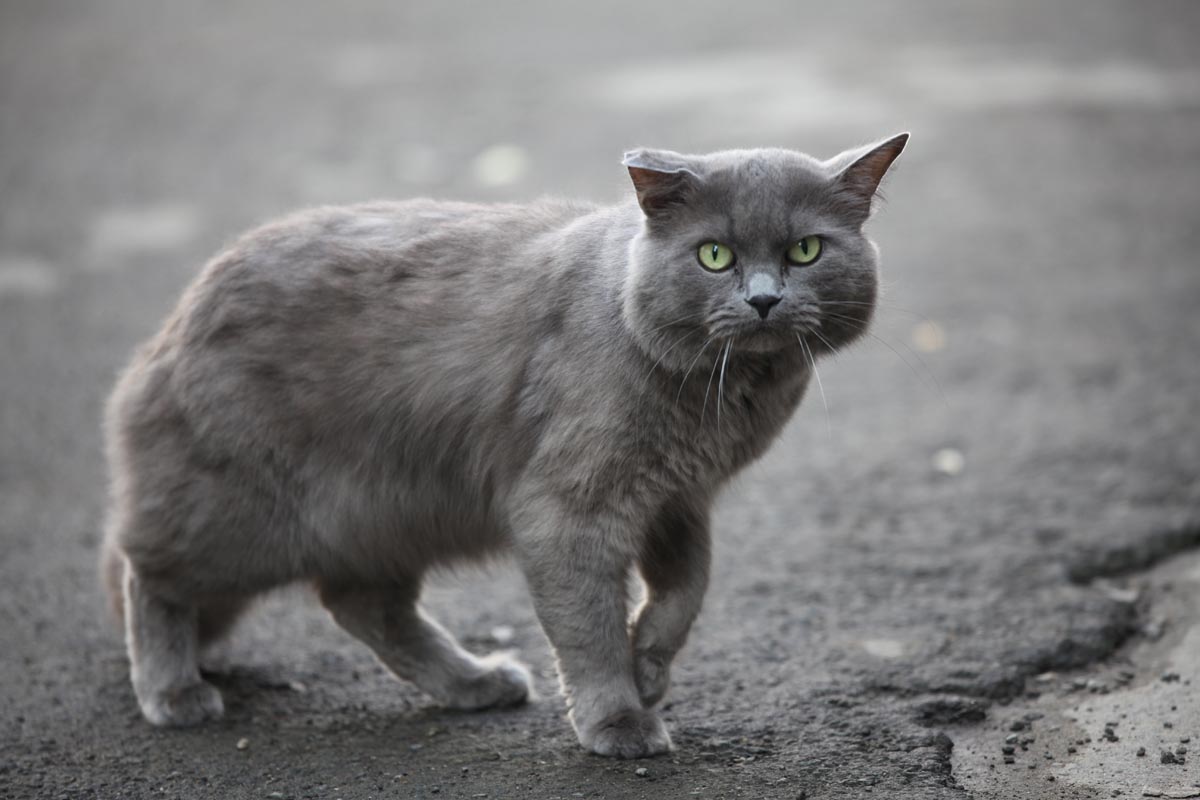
1000	503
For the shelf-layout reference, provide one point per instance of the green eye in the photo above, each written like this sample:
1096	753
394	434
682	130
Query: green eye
715	256
805	251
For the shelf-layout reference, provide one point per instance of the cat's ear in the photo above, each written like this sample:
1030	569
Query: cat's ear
661	178
860	171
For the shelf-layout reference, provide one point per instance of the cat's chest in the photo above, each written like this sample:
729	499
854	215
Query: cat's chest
709	430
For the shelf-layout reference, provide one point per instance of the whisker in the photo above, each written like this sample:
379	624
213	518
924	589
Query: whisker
916	373
691	366
707	388
820	387
888	306
721	383
667	352
676	322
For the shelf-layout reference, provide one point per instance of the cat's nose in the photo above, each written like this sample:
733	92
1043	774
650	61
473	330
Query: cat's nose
763	303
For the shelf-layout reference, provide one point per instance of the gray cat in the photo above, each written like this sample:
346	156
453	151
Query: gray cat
351	396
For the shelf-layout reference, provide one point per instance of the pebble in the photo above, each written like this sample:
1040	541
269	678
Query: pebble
243	743
1170	677
641	772
1141	751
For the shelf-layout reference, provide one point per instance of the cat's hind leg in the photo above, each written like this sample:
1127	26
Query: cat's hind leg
162	636
674	563
417	649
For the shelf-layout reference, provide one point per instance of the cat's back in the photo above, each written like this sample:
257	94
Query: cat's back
413	268
334	316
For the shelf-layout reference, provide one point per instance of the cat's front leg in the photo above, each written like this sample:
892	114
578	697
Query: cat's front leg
576	569
674	562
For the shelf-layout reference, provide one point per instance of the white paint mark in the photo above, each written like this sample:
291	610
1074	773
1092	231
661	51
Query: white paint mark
883	648
500	165
949	461
25	275
151	229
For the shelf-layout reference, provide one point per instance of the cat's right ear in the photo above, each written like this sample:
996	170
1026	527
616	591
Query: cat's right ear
660	178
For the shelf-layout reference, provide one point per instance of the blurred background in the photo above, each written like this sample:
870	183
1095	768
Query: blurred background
973	507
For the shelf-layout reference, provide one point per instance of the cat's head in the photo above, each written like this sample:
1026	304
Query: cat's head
761	247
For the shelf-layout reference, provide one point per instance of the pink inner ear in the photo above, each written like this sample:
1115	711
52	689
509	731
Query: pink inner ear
656	190
862	178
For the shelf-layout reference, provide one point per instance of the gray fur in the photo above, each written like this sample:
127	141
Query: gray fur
351	396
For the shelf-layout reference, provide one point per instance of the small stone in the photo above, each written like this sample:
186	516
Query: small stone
503	634
641	772
1167	757
1011	738
243	743
1168	724
1141	751
1170	677
1018	725
1184	739
1008	750
1072	749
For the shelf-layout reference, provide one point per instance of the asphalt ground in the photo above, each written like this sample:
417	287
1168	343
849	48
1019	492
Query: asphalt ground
993	519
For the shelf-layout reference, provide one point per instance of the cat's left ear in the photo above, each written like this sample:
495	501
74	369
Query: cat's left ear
860	171
661	178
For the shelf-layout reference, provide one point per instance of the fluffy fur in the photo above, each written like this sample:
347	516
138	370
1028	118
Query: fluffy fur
351	396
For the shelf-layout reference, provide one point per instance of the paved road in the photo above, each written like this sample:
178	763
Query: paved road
1004	484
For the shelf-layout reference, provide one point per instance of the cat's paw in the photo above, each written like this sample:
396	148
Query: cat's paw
181	706
652	674
505	683
634	733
